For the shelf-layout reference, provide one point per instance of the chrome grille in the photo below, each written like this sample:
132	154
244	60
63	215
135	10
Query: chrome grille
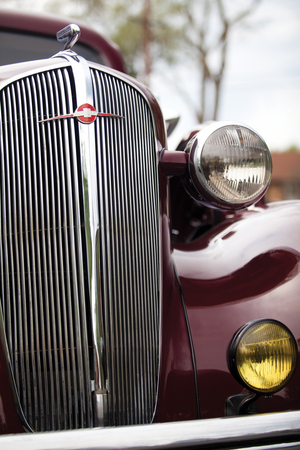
45	291
128	201
42	278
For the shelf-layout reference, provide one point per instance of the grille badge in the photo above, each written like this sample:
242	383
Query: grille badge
85	113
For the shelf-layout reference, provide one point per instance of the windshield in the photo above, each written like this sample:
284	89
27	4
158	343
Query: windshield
18	47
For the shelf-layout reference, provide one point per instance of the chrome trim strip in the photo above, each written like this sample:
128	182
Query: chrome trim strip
269	431
84	94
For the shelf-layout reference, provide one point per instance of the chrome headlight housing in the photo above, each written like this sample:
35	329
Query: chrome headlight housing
230	166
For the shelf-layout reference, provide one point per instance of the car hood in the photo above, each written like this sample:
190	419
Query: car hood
11	71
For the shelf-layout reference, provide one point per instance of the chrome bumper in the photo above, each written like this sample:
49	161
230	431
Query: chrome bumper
270	431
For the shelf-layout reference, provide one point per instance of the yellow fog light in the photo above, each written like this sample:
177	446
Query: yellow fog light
263	356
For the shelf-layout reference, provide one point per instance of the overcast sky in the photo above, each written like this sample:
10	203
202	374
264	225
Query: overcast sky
262	82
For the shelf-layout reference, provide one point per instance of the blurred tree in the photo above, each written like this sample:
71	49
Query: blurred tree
146	30
293	149
172	31
206	31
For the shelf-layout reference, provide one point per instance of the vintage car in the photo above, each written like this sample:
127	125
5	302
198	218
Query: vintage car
139	284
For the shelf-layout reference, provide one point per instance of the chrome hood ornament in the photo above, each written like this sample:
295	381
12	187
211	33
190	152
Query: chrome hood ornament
70	35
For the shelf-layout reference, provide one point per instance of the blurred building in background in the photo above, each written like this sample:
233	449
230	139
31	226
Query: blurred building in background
285	184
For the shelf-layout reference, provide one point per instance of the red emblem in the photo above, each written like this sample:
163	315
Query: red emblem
85	113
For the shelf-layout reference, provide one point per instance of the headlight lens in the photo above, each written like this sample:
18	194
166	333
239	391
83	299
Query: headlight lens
230	165
240	172
263	356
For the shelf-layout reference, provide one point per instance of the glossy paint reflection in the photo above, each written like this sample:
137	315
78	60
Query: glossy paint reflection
262	274
230	276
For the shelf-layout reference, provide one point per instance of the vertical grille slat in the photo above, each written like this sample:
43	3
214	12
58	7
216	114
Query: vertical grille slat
48	228
37	341
128	201
31	282
65	259
40	335
43	228
25	262
58	259
43	282
15	223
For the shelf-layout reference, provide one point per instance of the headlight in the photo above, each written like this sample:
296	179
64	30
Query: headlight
230	166
263	356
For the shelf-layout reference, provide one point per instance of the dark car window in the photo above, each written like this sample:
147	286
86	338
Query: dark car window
19	47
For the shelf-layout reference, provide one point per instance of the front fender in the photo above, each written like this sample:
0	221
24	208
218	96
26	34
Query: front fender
234	274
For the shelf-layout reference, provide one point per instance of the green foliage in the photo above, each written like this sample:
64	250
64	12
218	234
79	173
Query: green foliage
166	36
128	38
293	149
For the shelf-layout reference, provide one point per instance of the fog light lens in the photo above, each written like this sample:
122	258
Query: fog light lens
263	356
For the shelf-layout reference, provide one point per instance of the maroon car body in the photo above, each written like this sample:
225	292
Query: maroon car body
218	270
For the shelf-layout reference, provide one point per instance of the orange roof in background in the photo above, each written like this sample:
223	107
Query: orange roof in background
286	166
